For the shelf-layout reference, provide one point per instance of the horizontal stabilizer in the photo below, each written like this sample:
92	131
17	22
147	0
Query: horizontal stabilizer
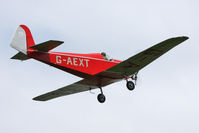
47	46
20	56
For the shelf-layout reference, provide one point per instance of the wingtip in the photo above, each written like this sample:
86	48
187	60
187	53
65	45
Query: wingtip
36	99
182	38
185	37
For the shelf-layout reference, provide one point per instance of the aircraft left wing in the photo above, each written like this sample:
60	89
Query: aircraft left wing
77	87
80	86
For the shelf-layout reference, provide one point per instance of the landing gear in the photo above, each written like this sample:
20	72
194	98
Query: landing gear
101	97
130	85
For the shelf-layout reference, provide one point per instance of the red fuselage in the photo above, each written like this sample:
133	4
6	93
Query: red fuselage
78	64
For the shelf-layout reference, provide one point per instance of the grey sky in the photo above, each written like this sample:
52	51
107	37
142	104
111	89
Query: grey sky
167	95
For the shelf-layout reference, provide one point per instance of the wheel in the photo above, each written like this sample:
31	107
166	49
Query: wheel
130	85
101	98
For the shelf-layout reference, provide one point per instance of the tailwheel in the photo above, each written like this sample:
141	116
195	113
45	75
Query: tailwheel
101	98
130	85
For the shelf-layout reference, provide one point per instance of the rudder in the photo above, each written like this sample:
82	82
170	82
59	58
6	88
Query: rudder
22	40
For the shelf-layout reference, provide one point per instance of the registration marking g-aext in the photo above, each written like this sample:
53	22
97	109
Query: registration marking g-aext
75	61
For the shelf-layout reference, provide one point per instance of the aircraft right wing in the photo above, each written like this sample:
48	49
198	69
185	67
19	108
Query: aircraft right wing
142	59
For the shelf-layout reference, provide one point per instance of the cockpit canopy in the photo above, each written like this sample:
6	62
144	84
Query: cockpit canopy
106	57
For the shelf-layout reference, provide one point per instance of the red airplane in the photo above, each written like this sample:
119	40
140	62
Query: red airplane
96	69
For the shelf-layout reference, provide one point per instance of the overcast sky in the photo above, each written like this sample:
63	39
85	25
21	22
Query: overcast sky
166	98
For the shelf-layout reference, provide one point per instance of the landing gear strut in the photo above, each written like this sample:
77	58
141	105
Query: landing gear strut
135	77
130	84
101	97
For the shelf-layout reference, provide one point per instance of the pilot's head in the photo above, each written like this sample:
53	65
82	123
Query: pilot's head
103	54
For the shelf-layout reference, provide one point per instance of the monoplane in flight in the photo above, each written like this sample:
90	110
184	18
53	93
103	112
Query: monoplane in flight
97	69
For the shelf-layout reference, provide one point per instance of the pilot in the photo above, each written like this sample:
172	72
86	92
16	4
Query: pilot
104	55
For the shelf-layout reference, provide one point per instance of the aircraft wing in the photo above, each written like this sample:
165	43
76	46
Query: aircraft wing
117	72
77	87
80	86
142	59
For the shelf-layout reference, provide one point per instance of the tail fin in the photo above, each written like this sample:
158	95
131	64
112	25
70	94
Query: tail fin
22	40
24	43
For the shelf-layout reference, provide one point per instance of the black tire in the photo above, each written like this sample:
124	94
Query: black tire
101	98
130	85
